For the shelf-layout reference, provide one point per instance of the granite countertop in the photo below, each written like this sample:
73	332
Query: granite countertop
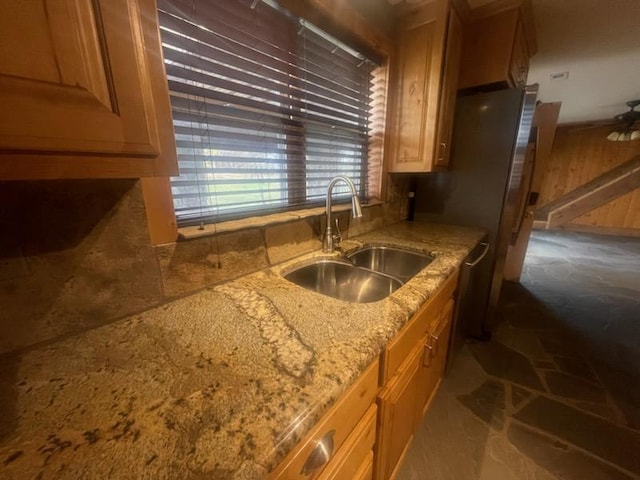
221	384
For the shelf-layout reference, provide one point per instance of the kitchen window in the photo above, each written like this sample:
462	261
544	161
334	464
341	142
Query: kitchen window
267	108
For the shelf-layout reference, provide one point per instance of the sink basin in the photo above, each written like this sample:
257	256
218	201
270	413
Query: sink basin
344	281
396	262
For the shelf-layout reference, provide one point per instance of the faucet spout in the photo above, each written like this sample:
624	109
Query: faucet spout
355	207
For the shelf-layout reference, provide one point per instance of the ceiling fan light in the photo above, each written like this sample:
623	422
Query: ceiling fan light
635	135
625	137
613	136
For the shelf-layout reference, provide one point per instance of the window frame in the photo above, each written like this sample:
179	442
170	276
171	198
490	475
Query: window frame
346	24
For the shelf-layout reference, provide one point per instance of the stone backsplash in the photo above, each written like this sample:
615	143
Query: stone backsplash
190	265
76	254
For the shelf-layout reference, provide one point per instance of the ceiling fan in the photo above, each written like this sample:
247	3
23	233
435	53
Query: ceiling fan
624	123
627	120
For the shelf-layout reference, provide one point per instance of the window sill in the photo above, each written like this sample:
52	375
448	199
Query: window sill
188	233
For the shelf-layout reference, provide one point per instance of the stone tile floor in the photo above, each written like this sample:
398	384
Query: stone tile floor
556	393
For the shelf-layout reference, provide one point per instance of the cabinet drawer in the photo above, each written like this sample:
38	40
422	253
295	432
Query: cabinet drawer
321	445
356	450
365	472
399	348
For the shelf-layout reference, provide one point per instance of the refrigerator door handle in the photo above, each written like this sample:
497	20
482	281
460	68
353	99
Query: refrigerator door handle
477	260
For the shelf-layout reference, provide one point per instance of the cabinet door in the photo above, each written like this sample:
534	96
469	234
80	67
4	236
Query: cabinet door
449	89
82	90
397	404
519	67
488	50
434	358
414	47
418	76
422	322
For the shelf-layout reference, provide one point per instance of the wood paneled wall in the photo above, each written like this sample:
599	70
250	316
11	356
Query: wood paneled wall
581	154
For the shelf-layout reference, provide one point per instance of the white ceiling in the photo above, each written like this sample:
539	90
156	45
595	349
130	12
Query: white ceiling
598	43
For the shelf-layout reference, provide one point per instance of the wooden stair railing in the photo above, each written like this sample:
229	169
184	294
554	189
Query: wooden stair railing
610	185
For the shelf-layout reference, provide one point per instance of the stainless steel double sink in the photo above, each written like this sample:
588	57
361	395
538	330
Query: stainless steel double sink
369	274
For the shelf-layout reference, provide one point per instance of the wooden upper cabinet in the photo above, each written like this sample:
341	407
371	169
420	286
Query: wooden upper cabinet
429	44
83	91
449	90
495	52
519	66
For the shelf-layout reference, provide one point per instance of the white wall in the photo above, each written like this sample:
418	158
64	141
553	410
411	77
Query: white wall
598	42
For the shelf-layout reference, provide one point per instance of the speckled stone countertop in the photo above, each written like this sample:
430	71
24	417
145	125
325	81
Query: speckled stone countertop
219	385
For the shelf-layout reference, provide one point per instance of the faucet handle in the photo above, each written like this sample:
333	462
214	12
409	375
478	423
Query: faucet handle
337	236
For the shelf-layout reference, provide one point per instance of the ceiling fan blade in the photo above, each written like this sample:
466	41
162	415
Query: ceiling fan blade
593	125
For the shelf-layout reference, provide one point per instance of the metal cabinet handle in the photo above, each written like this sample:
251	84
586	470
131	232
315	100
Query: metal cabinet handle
443	149
436	342
428	354
434	347
320	455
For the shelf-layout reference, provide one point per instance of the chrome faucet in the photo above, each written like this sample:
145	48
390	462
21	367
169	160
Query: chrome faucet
329	236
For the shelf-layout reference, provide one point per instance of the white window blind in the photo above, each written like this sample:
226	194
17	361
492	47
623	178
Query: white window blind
266	108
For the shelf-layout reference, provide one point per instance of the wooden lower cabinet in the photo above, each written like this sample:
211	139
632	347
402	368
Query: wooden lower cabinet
434	359
365	472
398	404
422	323
353	459
341	441
366	434
411	369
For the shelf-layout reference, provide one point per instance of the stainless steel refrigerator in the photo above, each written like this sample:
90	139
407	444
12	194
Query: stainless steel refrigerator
482	188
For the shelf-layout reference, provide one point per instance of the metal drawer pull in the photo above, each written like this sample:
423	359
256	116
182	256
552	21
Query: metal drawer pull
320	455
435	345
428	353
441	328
